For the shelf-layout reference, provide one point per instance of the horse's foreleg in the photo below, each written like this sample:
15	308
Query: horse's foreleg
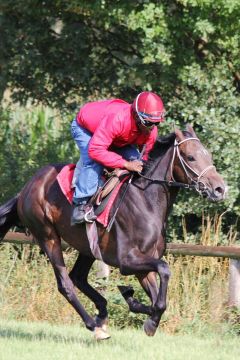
51	244
149	284
158	296
79	277
134	305
136	263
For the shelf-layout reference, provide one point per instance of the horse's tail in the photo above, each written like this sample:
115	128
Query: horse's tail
8	216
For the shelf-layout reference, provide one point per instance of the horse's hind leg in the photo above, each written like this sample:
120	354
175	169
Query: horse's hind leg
79	277
51	244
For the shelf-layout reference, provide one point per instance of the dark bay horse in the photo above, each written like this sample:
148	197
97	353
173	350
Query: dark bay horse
136	242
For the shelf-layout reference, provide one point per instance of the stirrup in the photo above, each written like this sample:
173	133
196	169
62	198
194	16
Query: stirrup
91	213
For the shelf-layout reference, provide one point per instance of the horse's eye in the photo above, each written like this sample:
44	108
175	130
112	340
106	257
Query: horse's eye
190	158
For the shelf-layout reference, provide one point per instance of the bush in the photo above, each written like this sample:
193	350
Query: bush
30	139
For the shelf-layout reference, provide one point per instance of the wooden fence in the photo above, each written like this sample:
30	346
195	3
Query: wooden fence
231	252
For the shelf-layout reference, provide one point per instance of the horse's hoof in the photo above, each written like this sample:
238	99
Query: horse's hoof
100	334
104	327
150	327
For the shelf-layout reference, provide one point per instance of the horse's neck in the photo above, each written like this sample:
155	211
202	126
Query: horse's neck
153	192
160	169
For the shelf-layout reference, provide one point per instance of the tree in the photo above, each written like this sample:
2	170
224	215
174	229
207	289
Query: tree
62	53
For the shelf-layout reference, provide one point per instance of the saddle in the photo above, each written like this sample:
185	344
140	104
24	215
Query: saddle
104	197
99	199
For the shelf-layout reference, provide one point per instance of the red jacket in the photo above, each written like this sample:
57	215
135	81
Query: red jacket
112	124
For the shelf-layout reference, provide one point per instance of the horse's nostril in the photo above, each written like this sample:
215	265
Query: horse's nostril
219	190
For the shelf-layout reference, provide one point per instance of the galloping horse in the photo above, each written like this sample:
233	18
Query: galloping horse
136	241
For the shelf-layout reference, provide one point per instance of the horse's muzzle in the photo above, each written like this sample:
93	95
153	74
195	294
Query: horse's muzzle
216	193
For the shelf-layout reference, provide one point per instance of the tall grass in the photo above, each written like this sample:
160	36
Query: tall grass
198	289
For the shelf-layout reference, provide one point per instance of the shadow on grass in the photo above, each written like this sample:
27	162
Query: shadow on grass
42	335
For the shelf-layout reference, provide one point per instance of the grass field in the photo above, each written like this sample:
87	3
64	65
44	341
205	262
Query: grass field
25	341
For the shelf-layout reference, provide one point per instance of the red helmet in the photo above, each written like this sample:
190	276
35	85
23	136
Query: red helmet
149	108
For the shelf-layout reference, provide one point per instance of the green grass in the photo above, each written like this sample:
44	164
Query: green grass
23	340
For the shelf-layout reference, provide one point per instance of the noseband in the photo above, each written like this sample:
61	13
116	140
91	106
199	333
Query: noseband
198	184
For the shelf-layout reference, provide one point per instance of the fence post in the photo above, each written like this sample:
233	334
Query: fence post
234	283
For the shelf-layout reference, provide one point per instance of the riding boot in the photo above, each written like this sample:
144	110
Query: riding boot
82	213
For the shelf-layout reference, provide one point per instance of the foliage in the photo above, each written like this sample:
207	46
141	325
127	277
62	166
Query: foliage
58	51
29	140
212	104
62	53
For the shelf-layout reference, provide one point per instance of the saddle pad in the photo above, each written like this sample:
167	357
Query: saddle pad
64	179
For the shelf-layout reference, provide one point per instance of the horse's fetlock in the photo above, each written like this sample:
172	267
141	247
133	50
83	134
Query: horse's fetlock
162	308
101	320
90	325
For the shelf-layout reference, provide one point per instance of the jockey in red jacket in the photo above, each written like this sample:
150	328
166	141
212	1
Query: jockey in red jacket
108	134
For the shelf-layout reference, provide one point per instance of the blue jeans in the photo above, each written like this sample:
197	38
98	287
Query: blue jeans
88	172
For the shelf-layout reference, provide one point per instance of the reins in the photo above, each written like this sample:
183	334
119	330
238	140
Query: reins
124	193
196	185
168	182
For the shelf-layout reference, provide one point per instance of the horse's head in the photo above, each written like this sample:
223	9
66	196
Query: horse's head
192	164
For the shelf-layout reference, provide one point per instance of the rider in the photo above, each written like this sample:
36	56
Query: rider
107	133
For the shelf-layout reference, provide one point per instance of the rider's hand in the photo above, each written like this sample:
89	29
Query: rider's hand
134	165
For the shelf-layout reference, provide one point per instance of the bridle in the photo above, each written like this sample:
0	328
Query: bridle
197	185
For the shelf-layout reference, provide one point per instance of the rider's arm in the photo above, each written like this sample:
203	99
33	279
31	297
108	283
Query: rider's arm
109	129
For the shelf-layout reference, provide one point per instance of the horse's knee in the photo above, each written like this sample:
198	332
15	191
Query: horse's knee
164	272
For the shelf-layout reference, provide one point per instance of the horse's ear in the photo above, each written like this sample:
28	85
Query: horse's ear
189	128
179	135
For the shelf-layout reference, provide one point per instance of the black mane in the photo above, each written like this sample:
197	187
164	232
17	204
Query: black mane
161	146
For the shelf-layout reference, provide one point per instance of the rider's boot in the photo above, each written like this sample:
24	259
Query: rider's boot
82	213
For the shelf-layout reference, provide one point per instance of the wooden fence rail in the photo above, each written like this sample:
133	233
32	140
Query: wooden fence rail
231	252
